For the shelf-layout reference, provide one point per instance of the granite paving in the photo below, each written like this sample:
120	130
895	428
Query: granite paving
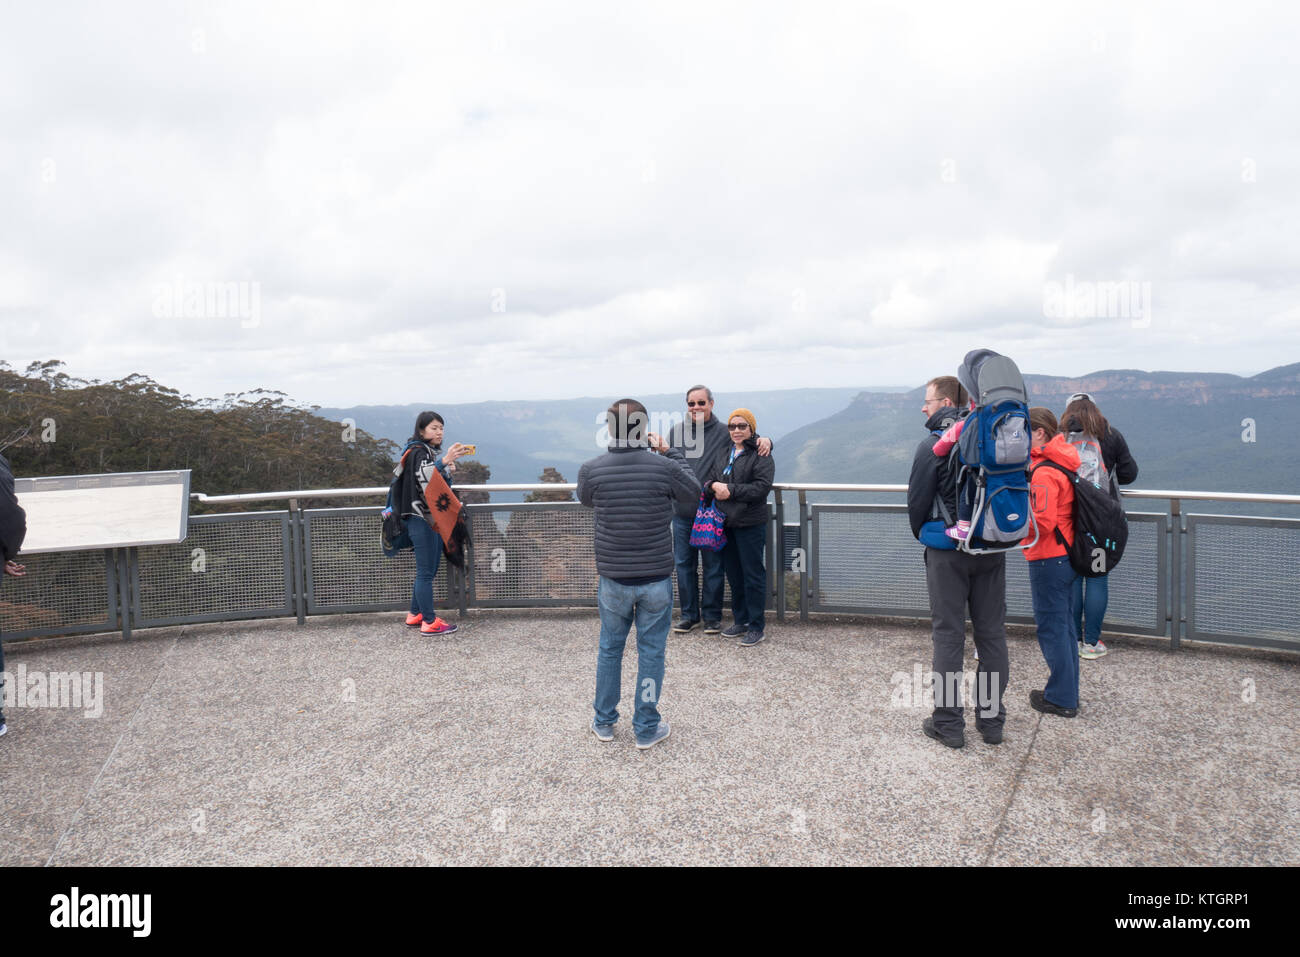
353	740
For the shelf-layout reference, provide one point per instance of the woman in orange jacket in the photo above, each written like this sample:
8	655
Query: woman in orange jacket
1051	578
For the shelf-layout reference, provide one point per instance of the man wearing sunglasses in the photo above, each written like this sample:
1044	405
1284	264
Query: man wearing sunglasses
699	438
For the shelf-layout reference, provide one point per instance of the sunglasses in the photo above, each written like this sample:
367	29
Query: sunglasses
1079	395
705	402
733	428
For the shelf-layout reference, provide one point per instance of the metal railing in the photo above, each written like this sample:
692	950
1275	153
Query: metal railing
1184	576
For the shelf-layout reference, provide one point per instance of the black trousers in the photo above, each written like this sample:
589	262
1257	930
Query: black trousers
959	582
742	557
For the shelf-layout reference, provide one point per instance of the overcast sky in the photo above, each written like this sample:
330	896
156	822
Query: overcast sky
445	203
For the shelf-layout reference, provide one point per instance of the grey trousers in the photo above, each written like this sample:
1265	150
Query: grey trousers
958	581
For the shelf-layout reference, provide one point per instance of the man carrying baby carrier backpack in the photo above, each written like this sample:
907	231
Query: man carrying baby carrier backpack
982	483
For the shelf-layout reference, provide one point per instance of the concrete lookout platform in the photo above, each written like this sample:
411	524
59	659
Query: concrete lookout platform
356	741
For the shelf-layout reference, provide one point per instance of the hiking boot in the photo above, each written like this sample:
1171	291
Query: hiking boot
1092	652
603	732
1039	703
955	741
659	734
751	638
685	625
437	627
712	627
734	631
991	735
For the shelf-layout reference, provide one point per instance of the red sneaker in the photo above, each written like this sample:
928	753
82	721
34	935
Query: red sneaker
437	627
414	620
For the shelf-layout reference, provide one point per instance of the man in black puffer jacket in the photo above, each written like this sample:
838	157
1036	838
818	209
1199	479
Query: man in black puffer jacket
633	492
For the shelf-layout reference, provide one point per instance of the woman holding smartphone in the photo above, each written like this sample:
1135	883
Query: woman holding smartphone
423	455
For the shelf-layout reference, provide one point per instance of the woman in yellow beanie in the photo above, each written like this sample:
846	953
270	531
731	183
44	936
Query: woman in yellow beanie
740	479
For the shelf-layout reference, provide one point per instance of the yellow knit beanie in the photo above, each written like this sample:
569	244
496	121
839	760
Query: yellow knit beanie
747	416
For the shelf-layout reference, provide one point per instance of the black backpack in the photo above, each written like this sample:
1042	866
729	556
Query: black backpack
1100	526
394	538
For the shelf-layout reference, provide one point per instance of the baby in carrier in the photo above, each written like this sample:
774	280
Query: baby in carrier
989	449
966	488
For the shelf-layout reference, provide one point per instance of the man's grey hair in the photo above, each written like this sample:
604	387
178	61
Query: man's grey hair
697	388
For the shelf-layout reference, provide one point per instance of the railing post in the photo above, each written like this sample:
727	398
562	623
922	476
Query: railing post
779	557
467	585
462	583
125	593
805	542
1176	604
772	553
298	560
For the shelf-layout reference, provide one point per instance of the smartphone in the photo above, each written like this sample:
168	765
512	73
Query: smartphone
469	449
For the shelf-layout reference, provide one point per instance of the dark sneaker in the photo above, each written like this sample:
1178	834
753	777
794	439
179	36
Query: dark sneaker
735	631
685	624
991	735
751	638
712	627
1039	703
660	733
605	732
958	741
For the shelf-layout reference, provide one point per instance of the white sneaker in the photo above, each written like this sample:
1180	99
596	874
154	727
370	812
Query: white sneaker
1092	651
3	729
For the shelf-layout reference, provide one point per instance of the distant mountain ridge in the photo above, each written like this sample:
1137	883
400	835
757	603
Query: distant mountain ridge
518	439
1191	387
1186	429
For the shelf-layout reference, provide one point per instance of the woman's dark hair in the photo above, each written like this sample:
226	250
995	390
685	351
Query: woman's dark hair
422	422
1082	415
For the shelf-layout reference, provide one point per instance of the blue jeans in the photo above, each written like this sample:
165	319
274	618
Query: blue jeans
428	553
1088	607
1050	583
743	559
651	608
688	582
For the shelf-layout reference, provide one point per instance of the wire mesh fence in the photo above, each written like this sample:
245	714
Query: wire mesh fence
866	561
229	566
348	571
62	593
1233	575
534	554
1242	584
